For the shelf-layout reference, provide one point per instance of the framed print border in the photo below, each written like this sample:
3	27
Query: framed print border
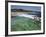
6	18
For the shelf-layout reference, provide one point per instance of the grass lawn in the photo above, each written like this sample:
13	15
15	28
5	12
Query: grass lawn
24	24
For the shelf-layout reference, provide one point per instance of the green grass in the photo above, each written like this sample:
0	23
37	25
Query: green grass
24	24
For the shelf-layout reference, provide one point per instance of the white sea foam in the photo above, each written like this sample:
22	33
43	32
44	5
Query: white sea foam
26	15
